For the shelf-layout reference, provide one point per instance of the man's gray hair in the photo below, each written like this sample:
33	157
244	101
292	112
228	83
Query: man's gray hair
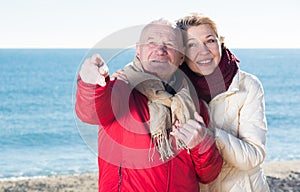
162	21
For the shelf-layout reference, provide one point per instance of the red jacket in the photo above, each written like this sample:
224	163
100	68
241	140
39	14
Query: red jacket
127	159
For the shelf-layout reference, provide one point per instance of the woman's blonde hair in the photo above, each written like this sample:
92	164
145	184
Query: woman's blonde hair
196	19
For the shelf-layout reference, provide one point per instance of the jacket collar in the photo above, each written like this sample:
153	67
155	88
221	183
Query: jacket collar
233	88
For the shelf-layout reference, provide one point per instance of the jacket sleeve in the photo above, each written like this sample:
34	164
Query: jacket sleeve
207	159
247	150
93	102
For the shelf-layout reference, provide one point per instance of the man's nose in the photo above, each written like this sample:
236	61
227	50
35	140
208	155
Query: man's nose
161	49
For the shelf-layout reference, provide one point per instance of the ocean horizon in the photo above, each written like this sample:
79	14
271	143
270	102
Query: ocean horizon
41	136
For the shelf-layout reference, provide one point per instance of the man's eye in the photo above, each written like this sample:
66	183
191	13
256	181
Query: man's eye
190	45
171	45
151	43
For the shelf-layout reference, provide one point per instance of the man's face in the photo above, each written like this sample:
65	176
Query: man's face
160	50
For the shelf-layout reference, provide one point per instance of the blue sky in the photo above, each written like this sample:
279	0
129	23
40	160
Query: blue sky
81	24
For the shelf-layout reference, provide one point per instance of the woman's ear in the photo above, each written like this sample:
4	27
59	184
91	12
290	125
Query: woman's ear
222	42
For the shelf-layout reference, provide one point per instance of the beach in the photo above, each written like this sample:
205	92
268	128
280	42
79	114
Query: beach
39	135
281	176
61	183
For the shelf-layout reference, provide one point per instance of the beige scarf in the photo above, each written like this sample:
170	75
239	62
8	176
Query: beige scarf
164	108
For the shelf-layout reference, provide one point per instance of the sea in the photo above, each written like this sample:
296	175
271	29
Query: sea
40	134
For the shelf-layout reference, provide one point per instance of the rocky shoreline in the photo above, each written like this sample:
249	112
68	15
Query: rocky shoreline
290	183
281	176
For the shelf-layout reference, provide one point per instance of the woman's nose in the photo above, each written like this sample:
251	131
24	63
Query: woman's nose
203	49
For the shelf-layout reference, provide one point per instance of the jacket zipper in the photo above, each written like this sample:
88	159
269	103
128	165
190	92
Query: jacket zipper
169	168
120	177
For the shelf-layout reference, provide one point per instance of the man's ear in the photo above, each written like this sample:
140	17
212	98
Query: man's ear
182	55
182	58
137	50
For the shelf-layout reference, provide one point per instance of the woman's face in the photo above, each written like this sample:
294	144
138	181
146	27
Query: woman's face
203	49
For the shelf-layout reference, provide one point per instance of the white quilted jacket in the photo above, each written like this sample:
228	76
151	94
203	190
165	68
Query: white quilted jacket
238	117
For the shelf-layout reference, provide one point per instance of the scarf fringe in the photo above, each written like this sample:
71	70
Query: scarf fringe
163	146
164	108
180	144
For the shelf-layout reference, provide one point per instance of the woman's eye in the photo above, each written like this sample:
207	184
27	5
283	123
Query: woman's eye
211	40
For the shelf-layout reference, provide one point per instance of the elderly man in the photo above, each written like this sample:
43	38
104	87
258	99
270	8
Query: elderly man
137	148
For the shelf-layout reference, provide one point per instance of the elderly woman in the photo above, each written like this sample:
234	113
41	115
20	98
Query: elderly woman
236	105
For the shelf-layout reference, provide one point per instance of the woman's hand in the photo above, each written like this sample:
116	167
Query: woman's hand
192	132
119	74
